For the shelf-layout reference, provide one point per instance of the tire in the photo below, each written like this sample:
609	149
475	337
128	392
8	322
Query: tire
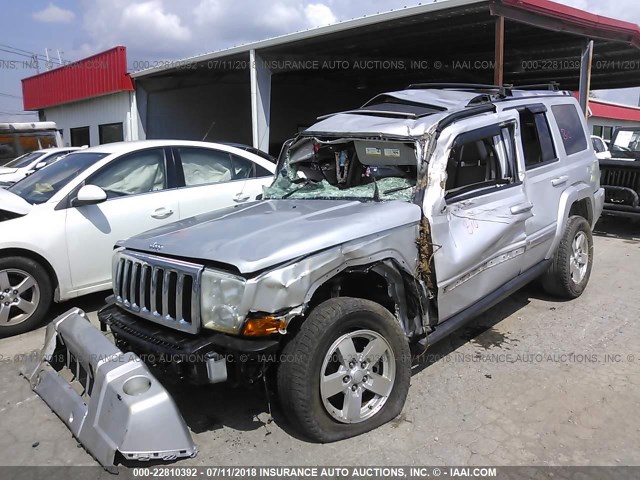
570	269
310	355
25	295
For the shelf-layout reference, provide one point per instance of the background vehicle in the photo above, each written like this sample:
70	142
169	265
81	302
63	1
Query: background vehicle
19	138
28	163
600	147
625	143
620	174
250	149
58	226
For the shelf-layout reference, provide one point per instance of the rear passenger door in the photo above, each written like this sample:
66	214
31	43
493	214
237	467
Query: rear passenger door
478	229
216	179
545	180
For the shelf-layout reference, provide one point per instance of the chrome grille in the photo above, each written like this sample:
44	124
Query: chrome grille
162	290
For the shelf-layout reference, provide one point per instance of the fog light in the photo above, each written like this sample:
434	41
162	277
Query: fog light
258	327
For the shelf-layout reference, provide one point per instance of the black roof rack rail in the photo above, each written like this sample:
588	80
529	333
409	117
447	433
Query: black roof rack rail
504	90
552	86
455	86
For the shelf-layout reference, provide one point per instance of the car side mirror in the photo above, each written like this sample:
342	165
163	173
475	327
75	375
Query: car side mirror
40	165
89	195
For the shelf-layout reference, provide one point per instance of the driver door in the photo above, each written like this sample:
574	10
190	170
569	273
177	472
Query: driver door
138	199
478	223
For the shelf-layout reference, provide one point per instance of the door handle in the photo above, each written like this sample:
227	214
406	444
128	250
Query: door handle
556	182
240	197
161	213
521	208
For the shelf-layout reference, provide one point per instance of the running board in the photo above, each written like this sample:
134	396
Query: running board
113	403
460	319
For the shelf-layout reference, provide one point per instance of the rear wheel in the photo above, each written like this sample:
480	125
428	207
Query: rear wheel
25	295
569	273
346	372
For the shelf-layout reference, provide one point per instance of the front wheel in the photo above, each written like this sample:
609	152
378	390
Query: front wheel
346	372
25	295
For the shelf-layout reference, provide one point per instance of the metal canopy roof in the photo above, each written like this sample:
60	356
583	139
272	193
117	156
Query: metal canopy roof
441	42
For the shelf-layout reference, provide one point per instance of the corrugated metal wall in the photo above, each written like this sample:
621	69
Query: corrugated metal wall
103	73
113	108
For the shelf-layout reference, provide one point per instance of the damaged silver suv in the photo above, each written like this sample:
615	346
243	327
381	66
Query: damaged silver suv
386	228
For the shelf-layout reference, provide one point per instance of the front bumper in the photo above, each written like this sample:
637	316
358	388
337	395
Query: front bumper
112	403
193	357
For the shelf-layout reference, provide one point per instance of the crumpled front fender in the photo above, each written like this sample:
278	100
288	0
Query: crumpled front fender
113	402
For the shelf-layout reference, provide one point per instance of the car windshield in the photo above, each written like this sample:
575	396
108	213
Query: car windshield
346	169
45	183
628	140
24	160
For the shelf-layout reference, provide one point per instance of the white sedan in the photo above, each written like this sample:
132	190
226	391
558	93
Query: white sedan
26	164
59	225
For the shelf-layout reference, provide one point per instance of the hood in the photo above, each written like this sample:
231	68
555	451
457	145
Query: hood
10	202
262	234
6	170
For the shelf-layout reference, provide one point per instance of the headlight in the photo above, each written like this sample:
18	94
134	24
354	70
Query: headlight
220	300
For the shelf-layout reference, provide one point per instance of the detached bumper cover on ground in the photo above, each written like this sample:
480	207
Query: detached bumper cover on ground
119	406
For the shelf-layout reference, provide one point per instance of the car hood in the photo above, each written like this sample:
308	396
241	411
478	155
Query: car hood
6	170
10	202
259	235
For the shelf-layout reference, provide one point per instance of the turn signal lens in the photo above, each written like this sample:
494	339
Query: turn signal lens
258	327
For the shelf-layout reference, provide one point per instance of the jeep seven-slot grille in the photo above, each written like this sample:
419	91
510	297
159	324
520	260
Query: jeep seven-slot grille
158	289
621	177
621	184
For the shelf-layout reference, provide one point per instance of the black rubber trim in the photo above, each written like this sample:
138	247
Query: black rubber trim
460	319
153	338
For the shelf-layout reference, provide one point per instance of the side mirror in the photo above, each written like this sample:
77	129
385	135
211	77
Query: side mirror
40	165
89	195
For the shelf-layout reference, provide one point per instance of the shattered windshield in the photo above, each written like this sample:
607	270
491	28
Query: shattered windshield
365	170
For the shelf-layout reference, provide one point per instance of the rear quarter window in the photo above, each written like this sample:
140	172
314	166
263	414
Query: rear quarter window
570	125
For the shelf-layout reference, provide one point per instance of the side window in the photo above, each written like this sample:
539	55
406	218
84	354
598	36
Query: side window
537	143
480	160
138	172
202	166
243	168
598	145
55	158
570	125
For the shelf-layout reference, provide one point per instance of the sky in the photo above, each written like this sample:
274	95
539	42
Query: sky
171	29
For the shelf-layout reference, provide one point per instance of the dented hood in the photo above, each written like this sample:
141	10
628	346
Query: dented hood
10	202
257	236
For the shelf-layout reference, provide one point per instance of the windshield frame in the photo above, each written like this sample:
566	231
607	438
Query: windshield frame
284	172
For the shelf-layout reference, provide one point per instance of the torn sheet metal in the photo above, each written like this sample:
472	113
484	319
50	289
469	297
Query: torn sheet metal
117	404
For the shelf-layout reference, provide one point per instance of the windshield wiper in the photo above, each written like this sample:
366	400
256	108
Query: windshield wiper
397	189
305	183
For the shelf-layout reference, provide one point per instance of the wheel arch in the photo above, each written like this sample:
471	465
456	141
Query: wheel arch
51	273
383	282
575	200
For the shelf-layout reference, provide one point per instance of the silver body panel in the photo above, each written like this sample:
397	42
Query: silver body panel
260	235
123	407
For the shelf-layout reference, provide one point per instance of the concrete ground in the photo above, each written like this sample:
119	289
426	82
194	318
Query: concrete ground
533	381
